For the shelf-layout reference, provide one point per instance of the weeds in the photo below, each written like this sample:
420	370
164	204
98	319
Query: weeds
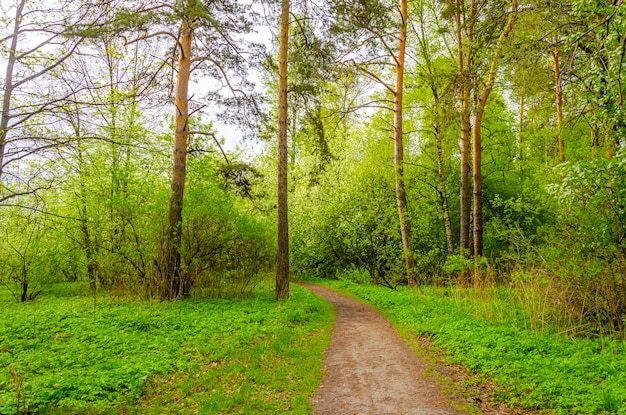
18	382
86	357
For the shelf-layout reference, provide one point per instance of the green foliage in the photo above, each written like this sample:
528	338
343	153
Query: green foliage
357	226
76	354
458	263
355	275
592	203
514	222
109	231
602	49
586	247
224	244
487	331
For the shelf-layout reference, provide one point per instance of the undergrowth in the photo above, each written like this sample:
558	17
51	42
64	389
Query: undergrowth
534	367
71	353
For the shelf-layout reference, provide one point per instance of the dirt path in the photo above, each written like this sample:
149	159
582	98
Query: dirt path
371	370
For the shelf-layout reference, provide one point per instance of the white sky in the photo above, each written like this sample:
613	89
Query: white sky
231	134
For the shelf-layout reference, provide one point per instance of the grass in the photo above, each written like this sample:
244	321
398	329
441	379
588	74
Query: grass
67	352
486	331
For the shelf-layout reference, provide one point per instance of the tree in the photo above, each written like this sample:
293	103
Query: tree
282	262
20	266
173	284
39	41
598	42
468	58
368	31
433	72
398	94
476	132
464	61
205	34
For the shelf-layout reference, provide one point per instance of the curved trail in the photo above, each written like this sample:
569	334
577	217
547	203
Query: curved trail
370	368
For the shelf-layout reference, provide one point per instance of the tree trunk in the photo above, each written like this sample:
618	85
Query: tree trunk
24	294
464	95
440	123
88	243
520	142
405	224
476	135
520	128
8	84
558	89
282	258
443	194
172	284
477	178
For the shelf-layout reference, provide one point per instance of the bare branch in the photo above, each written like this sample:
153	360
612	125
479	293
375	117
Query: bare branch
212	135
155	34
34	209
17	194
217	64
36	48
373	76
51	67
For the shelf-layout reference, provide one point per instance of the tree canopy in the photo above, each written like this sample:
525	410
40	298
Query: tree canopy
420	141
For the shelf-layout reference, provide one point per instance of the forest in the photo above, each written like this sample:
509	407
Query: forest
460	164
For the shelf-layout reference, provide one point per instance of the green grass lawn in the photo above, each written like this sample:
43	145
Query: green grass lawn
485	331
67	352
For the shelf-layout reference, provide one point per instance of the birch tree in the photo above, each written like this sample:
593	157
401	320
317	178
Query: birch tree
440	84
37	40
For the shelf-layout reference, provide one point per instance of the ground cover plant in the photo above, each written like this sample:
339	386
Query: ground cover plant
487	332
73	353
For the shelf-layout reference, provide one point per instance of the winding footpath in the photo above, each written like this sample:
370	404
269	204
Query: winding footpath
370	368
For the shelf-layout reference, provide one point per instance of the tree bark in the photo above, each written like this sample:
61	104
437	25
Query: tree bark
440	123
8	84
443	193
558	89
282	258
477	138
172	284
401	199
464	97
520	128
477	180
88	242
520	142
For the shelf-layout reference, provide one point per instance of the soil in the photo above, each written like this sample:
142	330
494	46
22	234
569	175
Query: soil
371	370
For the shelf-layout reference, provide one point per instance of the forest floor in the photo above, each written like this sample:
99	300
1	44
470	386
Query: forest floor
372	370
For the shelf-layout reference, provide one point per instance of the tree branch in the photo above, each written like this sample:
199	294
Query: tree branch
151	35
49	68
224	75
372	75
212	135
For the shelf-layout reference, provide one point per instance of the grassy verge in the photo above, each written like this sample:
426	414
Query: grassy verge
75	354
484	331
